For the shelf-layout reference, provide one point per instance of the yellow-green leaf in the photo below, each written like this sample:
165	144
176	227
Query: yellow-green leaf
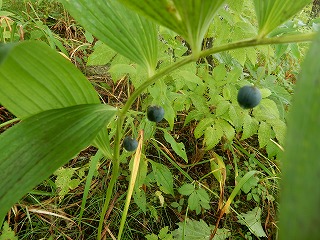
188	18
120	28
272	13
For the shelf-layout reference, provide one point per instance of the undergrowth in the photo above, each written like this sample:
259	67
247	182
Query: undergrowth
203	124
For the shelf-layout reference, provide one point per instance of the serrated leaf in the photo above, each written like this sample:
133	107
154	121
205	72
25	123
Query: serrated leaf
34	148
264	134
222	107
239	55
188	18
193	115
252	219
101	55
248	185
198	230
194	202
140	199
212	136
163	177
250	127
267	109
227	129
265	92
179	148
234	116
219	73
203	196
120	28
7	233
202	126
279	128
272	13
226	92
190	77
63	181
119	70
186	189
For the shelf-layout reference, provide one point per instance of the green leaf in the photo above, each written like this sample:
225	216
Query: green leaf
300	192
186	189
248	185
194	202
252	219
250	127
203	197
237	189
272	13
101	55
202	126
120	28
42	79
33	149
212	136
279	128
152	237
63	181
188	18
234	117
163	177
178	148
222	107
7	233
267	109
264	134
198	230
227	129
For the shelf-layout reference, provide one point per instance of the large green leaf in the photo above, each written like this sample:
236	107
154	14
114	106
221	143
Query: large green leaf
119	27
34	148
300	192
35	78
272	13
189	18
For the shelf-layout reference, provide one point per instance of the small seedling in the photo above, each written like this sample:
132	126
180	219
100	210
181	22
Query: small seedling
155	113
130	144
249	97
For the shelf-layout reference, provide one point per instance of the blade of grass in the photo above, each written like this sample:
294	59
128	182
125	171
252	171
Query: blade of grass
132	182
93	164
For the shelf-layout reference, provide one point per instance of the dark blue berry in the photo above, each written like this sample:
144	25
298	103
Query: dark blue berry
249	97
155	113
130	144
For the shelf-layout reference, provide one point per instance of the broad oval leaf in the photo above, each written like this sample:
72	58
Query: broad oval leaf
33	149
272	13
35	78
188	18
120	28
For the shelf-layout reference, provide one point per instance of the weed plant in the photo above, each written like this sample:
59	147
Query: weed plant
209	170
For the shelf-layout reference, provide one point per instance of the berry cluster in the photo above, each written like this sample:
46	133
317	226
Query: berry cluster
154	114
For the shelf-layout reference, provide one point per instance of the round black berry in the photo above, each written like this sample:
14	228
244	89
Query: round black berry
155	113
130	144
249	97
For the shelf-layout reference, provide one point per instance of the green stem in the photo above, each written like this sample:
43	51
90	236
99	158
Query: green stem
9	122
303	37
114	175
122	113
